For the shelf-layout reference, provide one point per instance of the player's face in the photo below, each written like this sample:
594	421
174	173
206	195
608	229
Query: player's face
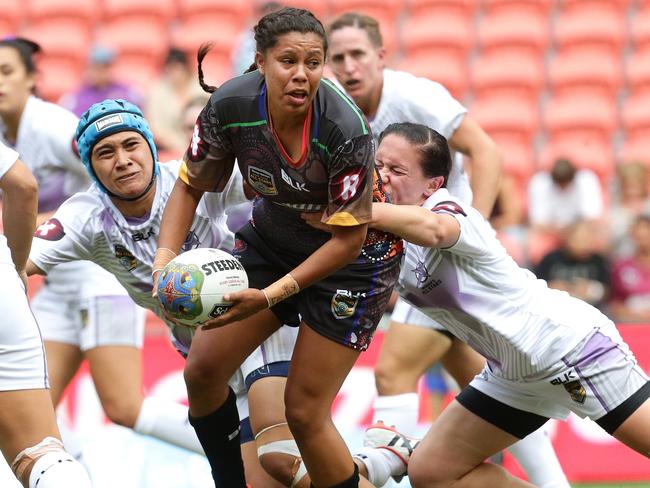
123	163
358	65
293	69
398	162
15	83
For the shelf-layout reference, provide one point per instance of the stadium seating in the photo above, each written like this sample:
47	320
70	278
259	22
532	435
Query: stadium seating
441	8
512	117
635	117
55	77
389	9
150	10
593	154
512	74
585	71
615	7
598	29
635	150
319	8
518	158
514	31
12	14
538	7
61	42
84	12
424	34
231	12
448	70
640	30
637	72
135	39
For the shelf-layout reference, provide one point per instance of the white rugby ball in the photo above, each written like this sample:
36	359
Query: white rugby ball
192	285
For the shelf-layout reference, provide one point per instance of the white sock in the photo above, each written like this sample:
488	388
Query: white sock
58	470
398	410
167	421
71	441
381	464
536	455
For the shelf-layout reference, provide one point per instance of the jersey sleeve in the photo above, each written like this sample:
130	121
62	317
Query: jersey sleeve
209	160
432	105
351	183
7	159
60	239
233	194
476	236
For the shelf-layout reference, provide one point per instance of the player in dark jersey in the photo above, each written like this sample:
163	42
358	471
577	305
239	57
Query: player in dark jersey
303	147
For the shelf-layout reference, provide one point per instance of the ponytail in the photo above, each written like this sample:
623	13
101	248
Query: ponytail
203	50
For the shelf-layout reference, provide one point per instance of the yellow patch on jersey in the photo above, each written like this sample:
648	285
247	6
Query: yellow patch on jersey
182	173
342	218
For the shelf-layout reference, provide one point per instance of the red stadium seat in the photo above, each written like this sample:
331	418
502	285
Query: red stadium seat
190	35
136	72
319	8
383	9
514	32
136	39
591	29
12	16
584	117
510	118
442	68
596	155
512	74
635	116
441	8
85	12
518	158
162	10
61	41
635	150
611	6
637	72
55	78
452	34
640	30
586	71
236	13
539	7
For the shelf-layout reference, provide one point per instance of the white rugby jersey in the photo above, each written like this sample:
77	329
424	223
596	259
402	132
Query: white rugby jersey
478	292
89	226
45	143
407	98
7	159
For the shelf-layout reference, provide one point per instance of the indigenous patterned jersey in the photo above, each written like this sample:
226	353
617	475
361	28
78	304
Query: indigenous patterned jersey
478	292
335	174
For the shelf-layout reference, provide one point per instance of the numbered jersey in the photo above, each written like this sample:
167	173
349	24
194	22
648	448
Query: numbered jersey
478	292
334	175
88	226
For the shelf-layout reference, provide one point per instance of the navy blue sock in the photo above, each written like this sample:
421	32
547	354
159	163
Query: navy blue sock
351	482
218	433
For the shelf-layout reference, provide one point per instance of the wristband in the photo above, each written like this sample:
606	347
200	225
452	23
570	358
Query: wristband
281	289
162	257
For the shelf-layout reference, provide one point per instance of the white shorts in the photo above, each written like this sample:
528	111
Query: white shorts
597	376
89	321
22	357
405	313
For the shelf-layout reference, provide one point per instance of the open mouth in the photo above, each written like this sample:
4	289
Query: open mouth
298	97
128	177
352	84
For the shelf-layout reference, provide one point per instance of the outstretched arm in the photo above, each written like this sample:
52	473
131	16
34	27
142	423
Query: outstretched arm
416	224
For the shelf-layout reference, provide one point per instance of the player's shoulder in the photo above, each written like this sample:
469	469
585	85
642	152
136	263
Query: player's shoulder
237	92
445	202
51	122
406	86
338	113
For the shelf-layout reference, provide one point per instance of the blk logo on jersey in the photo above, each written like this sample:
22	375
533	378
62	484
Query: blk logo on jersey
449	207
50	230
125	257
296	185
345	187
142	236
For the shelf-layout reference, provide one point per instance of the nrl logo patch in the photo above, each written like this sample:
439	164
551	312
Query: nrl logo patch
108	121
344	303
576	391
262	181
125	257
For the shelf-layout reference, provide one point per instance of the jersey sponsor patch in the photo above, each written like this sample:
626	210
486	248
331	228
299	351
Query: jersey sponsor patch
50	230
345	187
449	207
262	181
125	257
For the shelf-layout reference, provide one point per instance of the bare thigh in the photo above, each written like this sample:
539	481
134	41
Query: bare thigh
63	361
407	352
255	474
117	374
635	431
462	362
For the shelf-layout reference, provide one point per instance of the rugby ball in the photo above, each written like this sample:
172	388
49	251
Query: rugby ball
192	285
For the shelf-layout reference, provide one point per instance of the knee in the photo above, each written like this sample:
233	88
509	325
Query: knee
299	418
422	472
200	373
123	411
391	378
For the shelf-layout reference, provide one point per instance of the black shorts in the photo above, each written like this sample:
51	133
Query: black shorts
345	307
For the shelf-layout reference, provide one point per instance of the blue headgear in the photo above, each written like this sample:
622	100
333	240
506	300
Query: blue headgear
104	119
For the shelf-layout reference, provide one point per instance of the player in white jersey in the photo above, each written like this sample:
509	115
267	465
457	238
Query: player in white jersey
414	341
547	353
29	437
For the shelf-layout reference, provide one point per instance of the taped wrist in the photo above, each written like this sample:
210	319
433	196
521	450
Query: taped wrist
162	257
281	290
